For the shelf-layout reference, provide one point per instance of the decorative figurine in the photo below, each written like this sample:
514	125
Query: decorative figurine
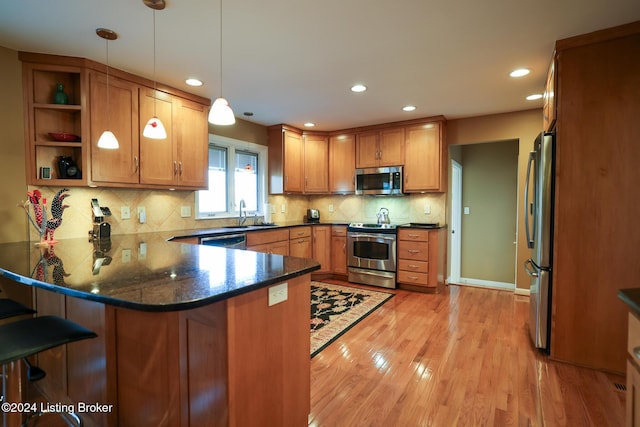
45	226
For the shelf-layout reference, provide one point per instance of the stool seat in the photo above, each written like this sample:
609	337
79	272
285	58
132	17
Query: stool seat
26	337
10	308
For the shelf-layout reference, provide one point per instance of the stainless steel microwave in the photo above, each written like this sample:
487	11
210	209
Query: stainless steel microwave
379	181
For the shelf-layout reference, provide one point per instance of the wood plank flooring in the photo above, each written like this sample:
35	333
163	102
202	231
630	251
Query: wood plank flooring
459	358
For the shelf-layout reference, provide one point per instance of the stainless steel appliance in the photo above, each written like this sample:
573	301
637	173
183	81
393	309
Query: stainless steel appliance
231	241
379	181
538	218
371	254
313	215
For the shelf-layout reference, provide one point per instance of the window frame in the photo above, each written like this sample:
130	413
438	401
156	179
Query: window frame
231	145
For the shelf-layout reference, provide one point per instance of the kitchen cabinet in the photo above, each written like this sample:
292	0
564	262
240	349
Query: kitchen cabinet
421	258
339	249
633	371
376	148
300	242
270	241
316	163
596	210
181	160
286	153
322	247
425	158
120	116
87	114
342	163
43	116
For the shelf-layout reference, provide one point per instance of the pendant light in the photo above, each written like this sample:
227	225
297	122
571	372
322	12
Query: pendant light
154	128
107	140
221	113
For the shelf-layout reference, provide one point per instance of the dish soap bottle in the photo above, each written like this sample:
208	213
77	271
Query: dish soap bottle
60	97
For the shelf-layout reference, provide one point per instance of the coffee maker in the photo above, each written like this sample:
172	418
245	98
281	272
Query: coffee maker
101	230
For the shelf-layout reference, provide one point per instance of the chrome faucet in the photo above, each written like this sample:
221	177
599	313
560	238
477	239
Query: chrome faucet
241	219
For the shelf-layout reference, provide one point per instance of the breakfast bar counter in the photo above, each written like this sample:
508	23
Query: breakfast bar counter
187	334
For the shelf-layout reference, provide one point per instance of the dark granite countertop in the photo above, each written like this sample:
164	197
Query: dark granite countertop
147	272
631	297
431	226
206	232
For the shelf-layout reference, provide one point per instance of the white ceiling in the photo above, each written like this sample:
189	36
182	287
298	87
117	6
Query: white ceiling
292	61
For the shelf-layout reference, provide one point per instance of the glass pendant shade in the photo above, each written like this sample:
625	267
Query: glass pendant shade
108	140
221	113
154	129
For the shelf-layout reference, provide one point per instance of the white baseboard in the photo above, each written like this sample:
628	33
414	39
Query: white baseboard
486	284
520	291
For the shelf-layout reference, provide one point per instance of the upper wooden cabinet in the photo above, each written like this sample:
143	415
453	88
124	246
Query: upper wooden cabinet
120	116
181	160
316	163
380	148
286	153
342	163
425	158
93	107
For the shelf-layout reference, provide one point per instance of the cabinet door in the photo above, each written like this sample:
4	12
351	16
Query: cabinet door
423	159
391	147
549	102
342	164
367	150
157	163
322	247
121	117
316	164
339	250
301	247
191	143
293	152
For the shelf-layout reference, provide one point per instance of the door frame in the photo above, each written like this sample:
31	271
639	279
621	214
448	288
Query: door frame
456	221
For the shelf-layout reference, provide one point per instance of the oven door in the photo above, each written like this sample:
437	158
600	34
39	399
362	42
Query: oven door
372	251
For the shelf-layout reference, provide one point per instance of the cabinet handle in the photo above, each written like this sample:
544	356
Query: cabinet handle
136	162
413	251
412	266
413	235
175	167
412	277
180	163
636	352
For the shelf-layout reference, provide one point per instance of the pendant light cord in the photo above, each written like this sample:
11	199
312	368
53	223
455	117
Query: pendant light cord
221	49
155	87
108	103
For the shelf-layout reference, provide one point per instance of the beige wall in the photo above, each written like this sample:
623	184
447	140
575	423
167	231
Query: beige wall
12	173
523	126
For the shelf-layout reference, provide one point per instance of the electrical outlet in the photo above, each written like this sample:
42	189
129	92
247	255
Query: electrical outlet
466	210
278	293
142	251
330	208
125	212
142	214
427	209
283	208
185	211
273	209
126	255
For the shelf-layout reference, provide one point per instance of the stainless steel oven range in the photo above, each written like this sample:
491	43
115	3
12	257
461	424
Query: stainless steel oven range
371	254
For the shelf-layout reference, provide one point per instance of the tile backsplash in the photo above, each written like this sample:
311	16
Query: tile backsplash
163	209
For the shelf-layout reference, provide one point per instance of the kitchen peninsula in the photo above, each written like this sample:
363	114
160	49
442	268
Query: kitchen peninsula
187	334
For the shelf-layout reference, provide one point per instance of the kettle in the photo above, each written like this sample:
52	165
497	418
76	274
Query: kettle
383	216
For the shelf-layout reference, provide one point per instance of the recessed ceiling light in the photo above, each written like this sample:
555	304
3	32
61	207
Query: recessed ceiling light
520	72
409	108
358	88
309	124
534	97
193	82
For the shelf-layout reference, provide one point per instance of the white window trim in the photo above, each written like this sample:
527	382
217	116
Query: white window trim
232	144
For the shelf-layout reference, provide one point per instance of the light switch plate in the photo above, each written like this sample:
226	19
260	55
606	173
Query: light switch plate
185	211
278	293
142	214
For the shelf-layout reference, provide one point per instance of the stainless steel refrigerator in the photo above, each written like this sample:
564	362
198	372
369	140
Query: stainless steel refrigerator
538	218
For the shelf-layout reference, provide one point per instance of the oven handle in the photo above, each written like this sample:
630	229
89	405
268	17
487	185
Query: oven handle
372	236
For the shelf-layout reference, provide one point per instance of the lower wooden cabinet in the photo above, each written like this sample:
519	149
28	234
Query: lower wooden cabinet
421	258
339	249
270	241
300	242
322	247
633	371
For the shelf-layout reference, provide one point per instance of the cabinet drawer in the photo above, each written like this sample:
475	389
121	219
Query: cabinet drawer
413	250
297	232
420	279
413	234
339	231
262	237
633	338
413	266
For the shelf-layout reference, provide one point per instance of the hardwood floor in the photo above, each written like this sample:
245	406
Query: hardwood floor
459	358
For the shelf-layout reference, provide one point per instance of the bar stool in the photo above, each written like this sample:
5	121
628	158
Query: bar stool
27	337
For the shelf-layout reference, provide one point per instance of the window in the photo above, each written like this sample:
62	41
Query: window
237	170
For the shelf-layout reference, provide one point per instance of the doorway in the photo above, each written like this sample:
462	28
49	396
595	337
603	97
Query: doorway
456	218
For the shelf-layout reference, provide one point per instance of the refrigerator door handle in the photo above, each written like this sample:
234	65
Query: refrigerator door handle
530	272
527	228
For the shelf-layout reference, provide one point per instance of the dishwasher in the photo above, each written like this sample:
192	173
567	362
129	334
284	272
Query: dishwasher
231	241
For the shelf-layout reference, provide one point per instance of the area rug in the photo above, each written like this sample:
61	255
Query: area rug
335	309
